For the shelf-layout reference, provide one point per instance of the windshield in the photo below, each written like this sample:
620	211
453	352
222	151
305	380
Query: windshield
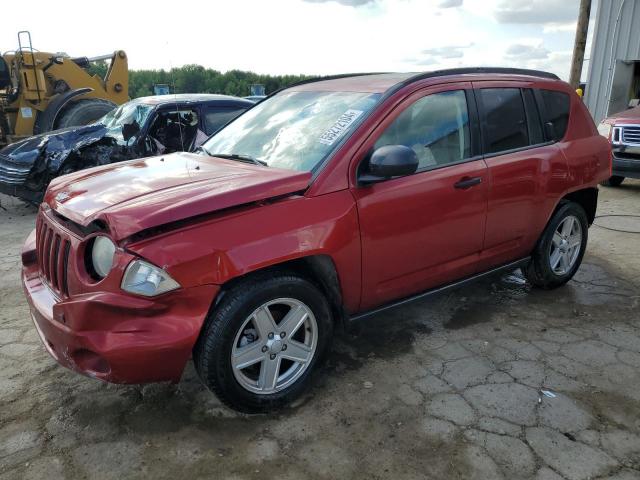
126	114
294	130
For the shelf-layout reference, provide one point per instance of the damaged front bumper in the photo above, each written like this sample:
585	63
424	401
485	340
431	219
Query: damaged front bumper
115	336
13	179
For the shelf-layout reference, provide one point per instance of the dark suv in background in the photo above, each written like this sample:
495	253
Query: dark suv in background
139	128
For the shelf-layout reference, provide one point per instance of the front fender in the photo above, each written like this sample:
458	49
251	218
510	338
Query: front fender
232	244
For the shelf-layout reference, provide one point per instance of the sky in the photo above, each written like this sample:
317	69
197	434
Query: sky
316	37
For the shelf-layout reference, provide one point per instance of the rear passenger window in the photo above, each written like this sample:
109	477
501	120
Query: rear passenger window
436	127
556	111
216	118
505	124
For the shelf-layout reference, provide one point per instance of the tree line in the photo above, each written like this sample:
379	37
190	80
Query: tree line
198	79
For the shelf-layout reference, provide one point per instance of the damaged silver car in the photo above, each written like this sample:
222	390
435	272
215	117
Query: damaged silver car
143	127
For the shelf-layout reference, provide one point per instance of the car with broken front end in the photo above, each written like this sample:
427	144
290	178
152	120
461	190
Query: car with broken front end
328	202
139	128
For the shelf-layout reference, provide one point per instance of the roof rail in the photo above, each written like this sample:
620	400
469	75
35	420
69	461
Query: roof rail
435	73
481	70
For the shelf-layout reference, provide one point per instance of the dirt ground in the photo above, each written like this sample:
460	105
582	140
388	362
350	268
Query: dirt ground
492	381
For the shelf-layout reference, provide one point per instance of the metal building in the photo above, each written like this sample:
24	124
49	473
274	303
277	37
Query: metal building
613	78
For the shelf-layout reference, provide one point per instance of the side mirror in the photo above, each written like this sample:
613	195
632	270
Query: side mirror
389	161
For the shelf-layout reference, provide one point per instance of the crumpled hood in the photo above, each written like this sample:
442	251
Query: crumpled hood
139	194
59	141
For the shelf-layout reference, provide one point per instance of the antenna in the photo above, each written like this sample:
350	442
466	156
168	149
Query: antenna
175	98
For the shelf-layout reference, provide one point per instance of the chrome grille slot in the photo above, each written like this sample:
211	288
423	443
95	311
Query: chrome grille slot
631	134
53	255
13	173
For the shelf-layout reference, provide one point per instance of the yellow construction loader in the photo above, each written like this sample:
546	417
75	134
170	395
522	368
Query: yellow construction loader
40	92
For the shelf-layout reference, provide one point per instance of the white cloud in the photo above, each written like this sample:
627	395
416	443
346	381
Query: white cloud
569	27
518	51
349	3
432	56
450	3
536	11
316	37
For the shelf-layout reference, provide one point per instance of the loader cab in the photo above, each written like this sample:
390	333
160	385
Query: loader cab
5	75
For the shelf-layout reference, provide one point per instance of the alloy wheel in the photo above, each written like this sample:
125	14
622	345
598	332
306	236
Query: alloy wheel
565	245
274	346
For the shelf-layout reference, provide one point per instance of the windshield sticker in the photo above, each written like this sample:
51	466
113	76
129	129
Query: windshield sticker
339	127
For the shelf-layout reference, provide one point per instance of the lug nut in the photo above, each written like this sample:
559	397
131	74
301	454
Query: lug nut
273	356
282	334
270	335
284	347
265	348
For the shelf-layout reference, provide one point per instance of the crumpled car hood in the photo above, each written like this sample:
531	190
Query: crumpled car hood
58	143
139	194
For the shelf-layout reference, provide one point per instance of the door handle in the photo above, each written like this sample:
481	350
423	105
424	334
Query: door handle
467	182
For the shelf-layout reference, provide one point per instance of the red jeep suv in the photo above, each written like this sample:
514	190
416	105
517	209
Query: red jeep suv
329	201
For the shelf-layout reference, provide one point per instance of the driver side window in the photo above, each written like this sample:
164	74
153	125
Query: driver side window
175	131
436	127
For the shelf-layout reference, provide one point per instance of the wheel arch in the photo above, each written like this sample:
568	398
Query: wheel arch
319	269
47	119
587	198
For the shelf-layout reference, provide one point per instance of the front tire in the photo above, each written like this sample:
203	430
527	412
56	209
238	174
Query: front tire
614	181
84	111
560	249
260	345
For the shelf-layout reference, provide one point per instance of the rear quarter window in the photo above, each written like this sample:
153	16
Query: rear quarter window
216	118
555	111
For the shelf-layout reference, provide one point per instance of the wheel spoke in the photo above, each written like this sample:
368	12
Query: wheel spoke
264	322
567	226
269	373
575	240
292	321
557	239
556	256
296	351
566	260
246	356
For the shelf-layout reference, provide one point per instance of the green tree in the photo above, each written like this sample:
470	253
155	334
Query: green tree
197	79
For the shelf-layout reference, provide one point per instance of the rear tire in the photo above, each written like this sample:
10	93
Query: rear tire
240	347
83	112
557	255
613	181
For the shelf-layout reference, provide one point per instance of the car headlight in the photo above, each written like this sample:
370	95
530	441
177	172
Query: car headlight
143	278
604	129
102	253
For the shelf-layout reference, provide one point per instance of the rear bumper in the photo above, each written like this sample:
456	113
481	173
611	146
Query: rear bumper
114	336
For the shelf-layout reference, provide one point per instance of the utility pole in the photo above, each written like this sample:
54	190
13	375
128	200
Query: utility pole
580	42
